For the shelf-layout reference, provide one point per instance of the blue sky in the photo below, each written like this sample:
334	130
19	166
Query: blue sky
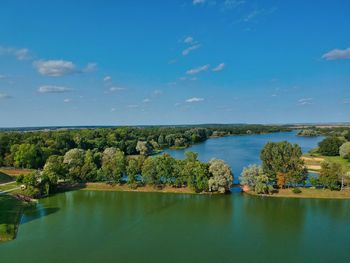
173	62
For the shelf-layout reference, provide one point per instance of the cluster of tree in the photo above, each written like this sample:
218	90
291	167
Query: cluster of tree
308	133
334	146
31	149
282	167
112	166
331	176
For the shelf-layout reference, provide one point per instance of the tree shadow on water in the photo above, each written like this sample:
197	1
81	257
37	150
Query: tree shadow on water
36	211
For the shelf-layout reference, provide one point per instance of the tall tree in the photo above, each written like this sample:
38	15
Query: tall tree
222	177
283	159
74	159
330	175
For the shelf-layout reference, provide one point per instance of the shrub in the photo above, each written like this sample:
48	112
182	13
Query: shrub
296	190
330	146
344	150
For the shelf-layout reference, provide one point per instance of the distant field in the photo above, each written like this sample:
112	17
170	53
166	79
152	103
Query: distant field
313	163
14	171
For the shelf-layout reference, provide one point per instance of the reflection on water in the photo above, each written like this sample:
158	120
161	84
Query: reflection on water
156	227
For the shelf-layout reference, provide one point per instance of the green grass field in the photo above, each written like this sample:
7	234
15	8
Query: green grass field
4	178
10	215
8	186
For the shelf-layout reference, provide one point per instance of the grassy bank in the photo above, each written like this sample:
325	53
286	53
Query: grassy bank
10	215
313	162
126	188
8	186
309	193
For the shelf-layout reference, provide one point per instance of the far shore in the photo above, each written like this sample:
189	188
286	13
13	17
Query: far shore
307	193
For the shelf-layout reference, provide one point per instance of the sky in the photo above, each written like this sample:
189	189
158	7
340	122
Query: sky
139	62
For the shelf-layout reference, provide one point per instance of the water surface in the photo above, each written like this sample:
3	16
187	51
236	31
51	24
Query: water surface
88	226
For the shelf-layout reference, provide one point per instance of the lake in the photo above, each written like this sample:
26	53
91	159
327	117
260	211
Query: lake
240	151
92	226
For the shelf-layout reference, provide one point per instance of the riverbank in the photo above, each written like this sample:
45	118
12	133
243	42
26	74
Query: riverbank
308	193
100	186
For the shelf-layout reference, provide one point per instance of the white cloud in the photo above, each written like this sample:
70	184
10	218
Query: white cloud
53	89
146	100
4	96
188	40
54	68
67	100
219	67
113	109
305	101
197	70
190	49
90	67
112	89
194	99
337	54
107	78
22	54
197	2
19	53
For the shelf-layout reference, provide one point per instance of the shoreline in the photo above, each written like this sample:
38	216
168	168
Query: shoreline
307	193
100	186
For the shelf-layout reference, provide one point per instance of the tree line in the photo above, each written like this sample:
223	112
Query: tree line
113	166
282	167
31	149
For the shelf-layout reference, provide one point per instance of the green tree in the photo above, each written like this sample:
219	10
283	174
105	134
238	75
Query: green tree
132	170
89	169
249	176
330	146
27	155
74	159
344	150
330	175
149	171
283	158
113	164
222	177
144	148
54	165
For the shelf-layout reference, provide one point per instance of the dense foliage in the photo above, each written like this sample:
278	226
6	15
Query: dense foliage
78	165
282	163
31	149
330	146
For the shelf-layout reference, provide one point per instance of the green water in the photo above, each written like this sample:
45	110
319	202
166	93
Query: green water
87	226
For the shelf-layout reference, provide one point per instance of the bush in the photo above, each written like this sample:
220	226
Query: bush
344	150
330	146
296	190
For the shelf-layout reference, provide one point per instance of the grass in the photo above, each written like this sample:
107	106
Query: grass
10	215
8	186
126	188
5	178
313	162
310	193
